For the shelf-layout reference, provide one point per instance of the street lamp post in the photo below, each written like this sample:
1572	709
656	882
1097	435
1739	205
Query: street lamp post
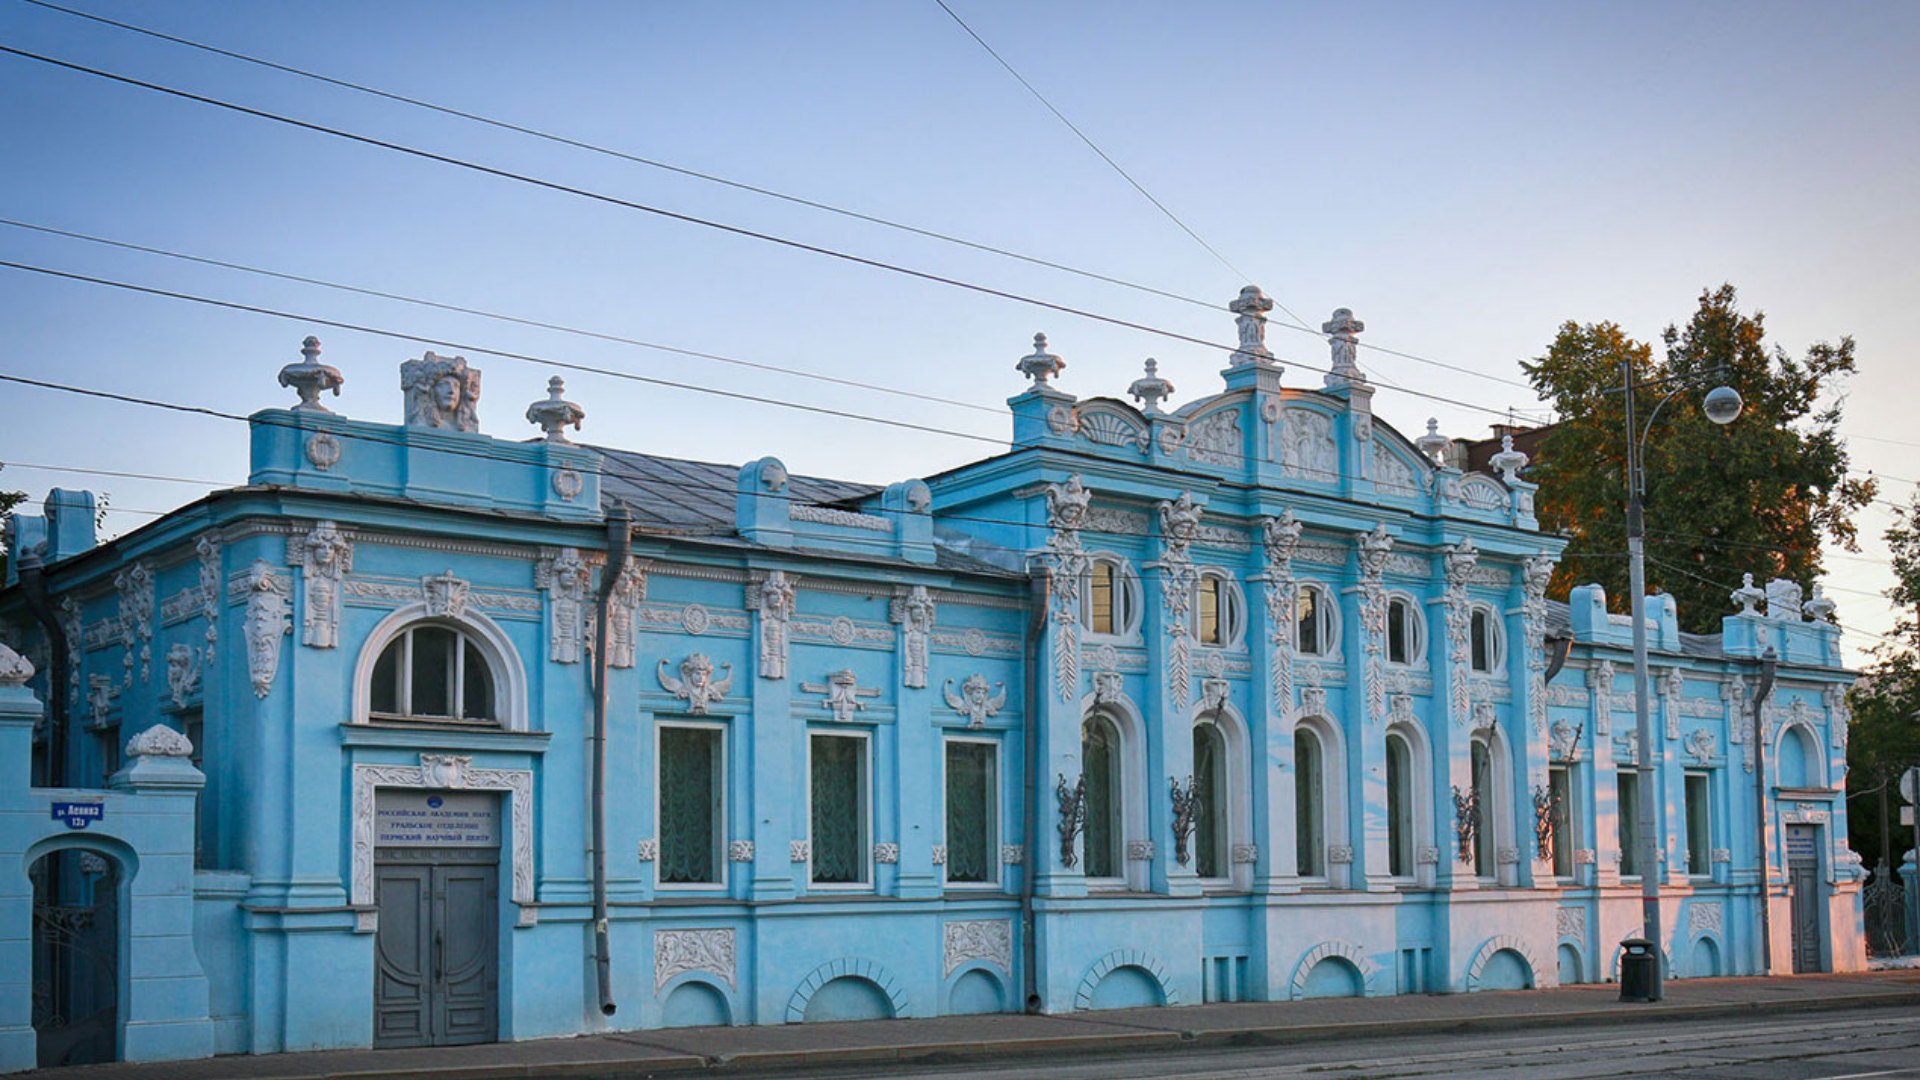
1722	406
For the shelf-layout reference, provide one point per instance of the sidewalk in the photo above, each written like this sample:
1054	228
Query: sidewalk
697	1049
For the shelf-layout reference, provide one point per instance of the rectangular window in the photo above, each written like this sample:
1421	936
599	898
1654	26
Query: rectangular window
837	808
1210	611
1629	822
973	826
1560	815
1101	598
692	789
1699	824
204	849
1308	619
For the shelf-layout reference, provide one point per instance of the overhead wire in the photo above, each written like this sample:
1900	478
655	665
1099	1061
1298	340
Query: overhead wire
755	189
1104	156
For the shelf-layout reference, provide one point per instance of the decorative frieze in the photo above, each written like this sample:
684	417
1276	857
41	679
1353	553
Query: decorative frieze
1571	922
964	941
1704	916
393	592
677	952
846	519
974	641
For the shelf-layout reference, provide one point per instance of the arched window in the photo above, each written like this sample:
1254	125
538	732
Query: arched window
1112	605
1218	611
1483	632
1317	622
433	671
1103	836
1210	780
1309	803
1406	632
1483	815
1400	806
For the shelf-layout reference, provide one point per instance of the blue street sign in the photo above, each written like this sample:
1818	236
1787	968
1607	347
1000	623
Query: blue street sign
79	815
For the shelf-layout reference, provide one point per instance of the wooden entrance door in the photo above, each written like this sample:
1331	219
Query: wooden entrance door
436	979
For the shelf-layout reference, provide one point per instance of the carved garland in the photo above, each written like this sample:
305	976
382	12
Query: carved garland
1460	560
1179	521
1374	549
1536	571
455	772
1066	564
1282	535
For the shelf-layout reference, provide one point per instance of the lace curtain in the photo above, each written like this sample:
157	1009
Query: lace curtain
970	797
839	811
689	790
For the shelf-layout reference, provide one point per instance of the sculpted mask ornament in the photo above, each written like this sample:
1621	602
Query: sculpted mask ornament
696	684
267	621
914	612
564	576
774	597
976	700
442	392
183	673
324	557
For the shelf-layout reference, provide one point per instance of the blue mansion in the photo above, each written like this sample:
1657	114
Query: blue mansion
425	736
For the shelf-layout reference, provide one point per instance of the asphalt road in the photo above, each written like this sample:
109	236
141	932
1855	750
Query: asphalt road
1866	1044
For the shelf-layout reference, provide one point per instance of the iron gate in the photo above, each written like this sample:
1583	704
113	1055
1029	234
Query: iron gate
76	958
1885	902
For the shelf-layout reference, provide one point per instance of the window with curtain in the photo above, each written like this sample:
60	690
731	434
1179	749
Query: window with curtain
432	672
1102	836
1699	824
1210	784
1404	638
1560	796
1309	826
1484	797
692	821
839	809
1399	806
1628	817
973	796
1483	635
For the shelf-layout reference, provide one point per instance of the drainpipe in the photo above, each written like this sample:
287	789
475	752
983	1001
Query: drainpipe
619	542
33	585
1768	662
1038	588
1558	648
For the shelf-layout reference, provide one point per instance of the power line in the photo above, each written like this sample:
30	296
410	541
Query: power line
497	316
745	232
1091	145
1723	585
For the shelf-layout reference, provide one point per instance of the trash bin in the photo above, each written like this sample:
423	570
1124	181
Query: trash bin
1637	970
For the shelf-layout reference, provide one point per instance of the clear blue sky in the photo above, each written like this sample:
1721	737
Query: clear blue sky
1465	177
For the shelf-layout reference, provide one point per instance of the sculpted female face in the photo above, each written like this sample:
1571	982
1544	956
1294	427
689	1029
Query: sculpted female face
446	392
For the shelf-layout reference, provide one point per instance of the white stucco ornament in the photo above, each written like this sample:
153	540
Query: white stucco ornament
310	377
1040	365
159	741
555	414
976	700
1150	389
842	692
15	669
1819	608
442	392
1433	444
1508	462
1250	319
1343	339
696	684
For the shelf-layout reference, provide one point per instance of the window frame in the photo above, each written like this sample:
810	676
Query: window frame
1118	815
463	637
1702	854
1230	609
1128	599
1406	799
1566	827
1220	808
865	791
1416	623
994	823
1311	866
720	797
1496	638
1326	612
1626	828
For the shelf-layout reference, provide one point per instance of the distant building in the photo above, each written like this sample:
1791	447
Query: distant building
1251	699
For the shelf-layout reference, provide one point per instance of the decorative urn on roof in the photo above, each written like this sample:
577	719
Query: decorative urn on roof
555	413
1150	388
1040	365
309	377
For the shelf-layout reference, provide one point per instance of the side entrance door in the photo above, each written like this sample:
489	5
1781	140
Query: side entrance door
436	978
1803	879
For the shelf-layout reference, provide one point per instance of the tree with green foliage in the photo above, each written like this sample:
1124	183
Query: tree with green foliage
8	500
1758	495
1883	740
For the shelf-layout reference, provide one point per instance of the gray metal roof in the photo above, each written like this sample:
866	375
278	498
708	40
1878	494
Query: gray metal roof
697	497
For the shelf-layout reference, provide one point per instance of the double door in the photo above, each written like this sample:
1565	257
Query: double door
436	975
1803	881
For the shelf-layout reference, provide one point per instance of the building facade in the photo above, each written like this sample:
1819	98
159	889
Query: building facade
1251	699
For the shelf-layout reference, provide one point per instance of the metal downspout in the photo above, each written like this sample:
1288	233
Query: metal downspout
619	543
1768	662
33	586
1038	588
